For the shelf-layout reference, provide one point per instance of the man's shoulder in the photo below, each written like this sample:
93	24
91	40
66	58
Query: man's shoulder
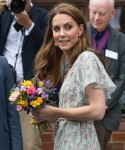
7	14
40	9
116	32
38	13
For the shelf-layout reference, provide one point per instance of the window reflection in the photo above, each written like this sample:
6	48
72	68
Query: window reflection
122	20
119	20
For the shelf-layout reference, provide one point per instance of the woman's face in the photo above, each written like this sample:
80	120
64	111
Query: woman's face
66	32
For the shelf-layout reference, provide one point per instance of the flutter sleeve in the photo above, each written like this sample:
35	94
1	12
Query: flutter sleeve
93	73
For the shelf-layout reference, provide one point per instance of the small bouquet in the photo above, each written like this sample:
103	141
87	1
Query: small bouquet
31	95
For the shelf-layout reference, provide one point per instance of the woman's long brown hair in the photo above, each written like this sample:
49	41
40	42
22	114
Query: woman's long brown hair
48	59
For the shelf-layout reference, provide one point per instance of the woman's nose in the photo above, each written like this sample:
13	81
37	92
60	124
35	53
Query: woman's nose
62	32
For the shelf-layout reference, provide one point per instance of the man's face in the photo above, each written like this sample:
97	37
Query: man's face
100	14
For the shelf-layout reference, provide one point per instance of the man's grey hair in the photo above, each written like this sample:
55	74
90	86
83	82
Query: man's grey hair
112	3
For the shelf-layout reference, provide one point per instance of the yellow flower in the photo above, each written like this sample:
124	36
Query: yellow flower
40	83
27	83
23	103
33	103
39	101
32	120
36	102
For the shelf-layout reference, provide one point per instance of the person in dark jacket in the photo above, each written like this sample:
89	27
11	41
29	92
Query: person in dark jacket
10	129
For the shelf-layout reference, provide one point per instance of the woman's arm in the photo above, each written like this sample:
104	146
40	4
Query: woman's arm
94	111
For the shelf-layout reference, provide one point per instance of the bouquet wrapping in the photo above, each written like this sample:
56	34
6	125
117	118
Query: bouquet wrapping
31	95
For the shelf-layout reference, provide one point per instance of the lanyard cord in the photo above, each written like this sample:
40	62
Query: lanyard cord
21	40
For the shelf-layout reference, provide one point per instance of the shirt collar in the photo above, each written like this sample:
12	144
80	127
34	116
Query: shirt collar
31	4
95	33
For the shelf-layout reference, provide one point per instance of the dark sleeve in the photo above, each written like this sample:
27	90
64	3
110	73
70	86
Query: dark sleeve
12	113
0	25
120	78
39	29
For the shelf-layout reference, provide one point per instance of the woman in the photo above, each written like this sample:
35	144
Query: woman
86	86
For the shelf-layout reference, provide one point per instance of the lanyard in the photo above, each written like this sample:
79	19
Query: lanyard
102	42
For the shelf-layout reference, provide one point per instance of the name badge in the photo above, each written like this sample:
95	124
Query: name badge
111	54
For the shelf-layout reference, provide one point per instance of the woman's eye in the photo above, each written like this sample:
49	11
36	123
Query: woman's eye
56	29
68	27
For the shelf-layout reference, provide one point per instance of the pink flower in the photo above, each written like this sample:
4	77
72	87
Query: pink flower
14	96
19	107
31	91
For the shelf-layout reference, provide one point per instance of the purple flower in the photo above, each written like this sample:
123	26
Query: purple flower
47	84
39	91
17	89
44	95
53	90
47	90
22	88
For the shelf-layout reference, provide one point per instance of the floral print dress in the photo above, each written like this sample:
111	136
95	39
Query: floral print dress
80	135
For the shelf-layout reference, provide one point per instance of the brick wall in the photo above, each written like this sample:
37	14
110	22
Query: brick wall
47	140
117	141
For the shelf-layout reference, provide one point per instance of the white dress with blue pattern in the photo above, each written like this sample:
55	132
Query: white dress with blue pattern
80	135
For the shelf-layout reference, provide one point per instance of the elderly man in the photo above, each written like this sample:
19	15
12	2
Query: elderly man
21	36
111	44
